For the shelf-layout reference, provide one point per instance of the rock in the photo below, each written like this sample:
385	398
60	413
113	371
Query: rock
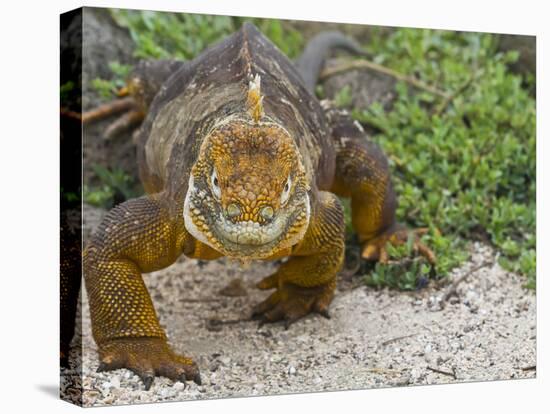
214	366
115	381
527	48
104	42
368	87
402	380
109	400
430	358
179	386
259	386
107	384
166	392
415	374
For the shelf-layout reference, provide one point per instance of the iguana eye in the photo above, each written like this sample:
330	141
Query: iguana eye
286	190
215	184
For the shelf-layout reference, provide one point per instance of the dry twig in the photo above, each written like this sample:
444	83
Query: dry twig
344	66
200	300
398	338
442	371
452	289
110	108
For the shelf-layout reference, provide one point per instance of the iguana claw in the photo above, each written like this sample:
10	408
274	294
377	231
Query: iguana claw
147	358
376	249
290	303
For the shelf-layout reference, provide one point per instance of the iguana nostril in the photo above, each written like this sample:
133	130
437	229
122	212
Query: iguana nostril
233	210
267	212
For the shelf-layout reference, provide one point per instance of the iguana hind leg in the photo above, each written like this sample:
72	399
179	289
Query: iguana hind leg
306	282
136	237
362	173
134	99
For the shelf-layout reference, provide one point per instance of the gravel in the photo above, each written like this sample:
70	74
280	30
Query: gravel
375	338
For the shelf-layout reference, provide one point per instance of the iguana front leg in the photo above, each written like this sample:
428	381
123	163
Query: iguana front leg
362	173
306	282
136	237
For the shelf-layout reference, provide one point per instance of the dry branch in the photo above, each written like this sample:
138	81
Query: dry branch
344	66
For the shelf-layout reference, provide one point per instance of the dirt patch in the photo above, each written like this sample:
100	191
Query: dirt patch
374	338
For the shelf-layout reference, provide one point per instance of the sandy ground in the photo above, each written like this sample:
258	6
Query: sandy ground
375	338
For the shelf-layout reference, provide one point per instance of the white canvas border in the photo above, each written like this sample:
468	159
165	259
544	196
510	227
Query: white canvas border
30	175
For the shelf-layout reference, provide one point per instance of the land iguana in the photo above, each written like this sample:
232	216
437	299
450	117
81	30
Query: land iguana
238	158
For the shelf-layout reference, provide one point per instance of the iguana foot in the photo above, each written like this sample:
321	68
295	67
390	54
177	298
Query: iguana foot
147	357
291	302
376	249
131	116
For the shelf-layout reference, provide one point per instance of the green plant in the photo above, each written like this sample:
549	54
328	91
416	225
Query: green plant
107	88
183	36
343	98
116	186
469	169
280	32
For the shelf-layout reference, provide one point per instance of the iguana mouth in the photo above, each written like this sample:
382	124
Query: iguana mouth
251	240
250	232
246	239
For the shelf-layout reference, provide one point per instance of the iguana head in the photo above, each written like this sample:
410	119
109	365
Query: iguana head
248	194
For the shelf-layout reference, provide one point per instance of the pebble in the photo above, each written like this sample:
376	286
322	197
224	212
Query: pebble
291	370
166	392
179	386
115	382
109	400
402	380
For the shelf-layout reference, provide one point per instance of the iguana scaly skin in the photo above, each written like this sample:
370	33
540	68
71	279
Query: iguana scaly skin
238	159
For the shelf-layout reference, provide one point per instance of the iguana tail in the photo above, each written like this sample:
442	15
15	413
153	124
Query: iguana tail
309	64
